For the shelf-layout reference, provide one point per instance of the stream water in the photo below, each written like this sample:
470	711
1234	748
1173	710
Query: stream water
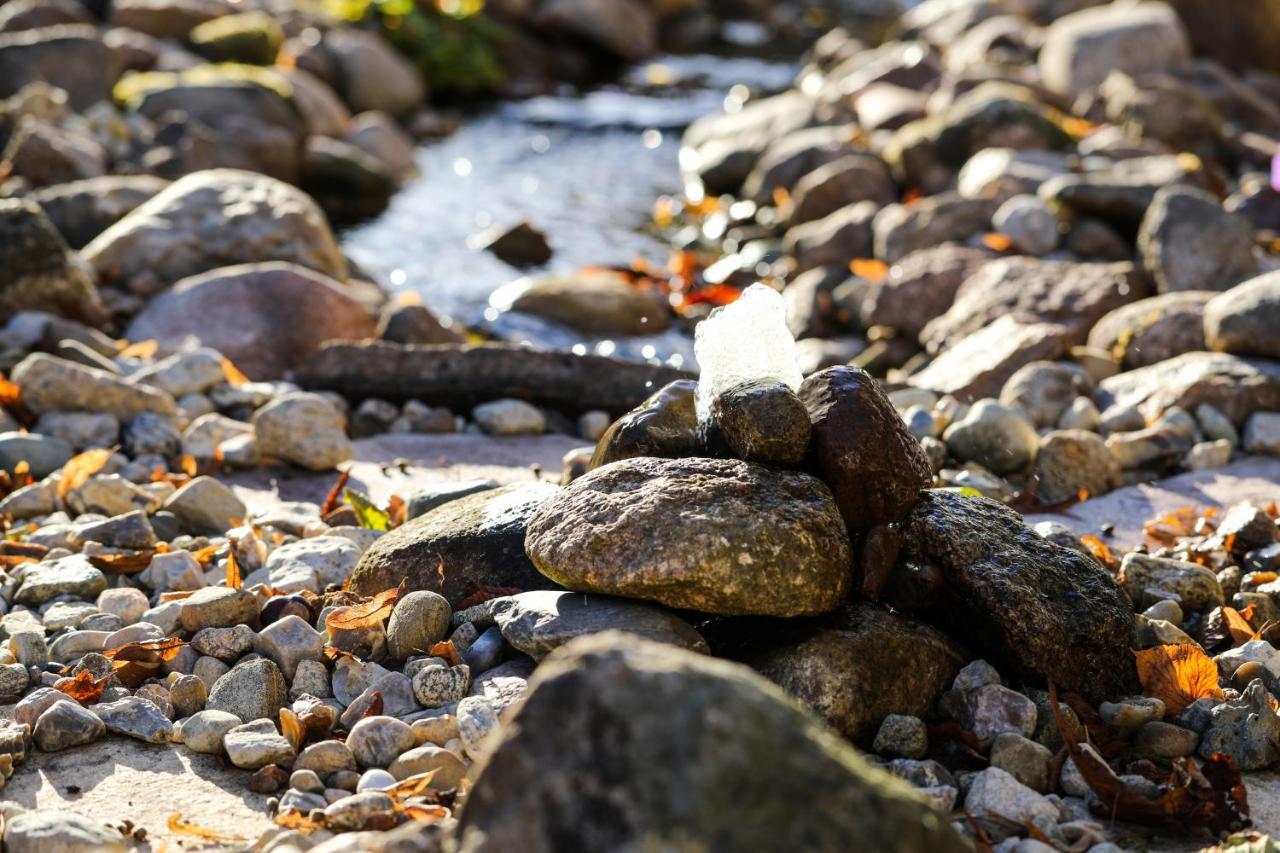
584	169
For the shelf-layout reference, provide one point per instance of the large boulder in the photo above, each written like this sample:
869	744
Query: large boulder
1082	48
717	535
37	269
213	219
621	744
71	57
476	540
1188	242
860	447
1244	320
1154	329
859	664
267	318
1047	612
1236	386
1034	291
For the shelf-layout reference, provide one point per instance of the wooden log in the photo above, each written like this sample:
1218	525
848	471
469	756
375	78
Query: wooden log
463	375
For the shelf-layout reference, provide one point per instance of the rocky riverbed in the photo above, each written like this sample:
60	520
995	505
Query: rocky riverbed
914	489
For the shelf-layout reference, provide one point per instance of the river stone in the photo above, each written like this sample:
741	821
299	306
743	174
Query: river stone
370	74
999	438
135	717
449	769
73	575
1154	329
665	425
218	607
1046	389
762	421
920	287
81	210
717	535
204	730
538	623
1082	48
596	303
40	272
74	58
419	621
43	454
1048	612
862	663
1188	242
980	364
1245	729
378	741
861	448
251	690
1244	319
325	758
66	724
949	217
474	540
206	505
55	831
1235	386
1074	464
661	779
1196	586
304	429
51	384
217	218
257	744
288	642
436	685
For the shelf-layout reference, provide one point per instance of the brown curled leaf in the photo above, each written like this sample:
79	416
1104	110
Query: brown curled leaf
373	612
178	826
444	649
1177	675
234	580
80	468
83	687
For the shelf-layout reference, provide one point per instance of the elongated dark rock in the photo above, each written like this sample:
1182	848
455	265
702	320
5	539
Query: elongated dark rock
463	375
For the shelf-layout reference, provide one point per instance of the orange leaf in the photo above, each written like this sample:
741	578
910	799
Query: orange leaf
424	813
291	728
1238	624
396	509
142	349
9	393
234	581
178	826
446	650
1099	549
80	468
84	688
233	374
333	500
1177	675
413	786
123	564
299	821
187	465
205	554
372	612
8	561
872	269
997	242
134	663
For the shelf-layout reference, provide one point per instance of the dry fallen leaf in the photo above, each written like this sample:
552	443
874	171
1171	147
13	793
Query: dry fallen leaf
234	580
375	611
126	563
1099	549
299	821
445	649
413	786
997	242
1177	675
84	688
1238	624
873	270
291	728
134	663
178	826
232	373
80	468
142	349
10	394
334	499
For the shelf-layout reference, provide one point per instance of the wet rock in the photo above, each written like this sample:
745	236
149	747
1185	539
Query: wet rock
594	303
349	183
257	744
478	539
250	37
66	724
1120	194
1002	173
789	158
1188	242
135	717
1035	291
1073	464
1153	329
861	664
81	210
213	219
665	425
509	417
1049	612
997	437
861	448
901	229
206	505
595	684
419	621
762	421
1082	48
537	623
55	831
1241	320
1233	385
74	576
687	533
723	148
1196	586
303	429
980	364
41	273
416	324
920	287
251	690
1245	729
378	741
54	384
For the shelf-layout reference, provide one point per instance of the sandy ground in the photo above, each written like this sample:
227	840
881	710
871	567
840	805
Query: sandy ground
114	779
